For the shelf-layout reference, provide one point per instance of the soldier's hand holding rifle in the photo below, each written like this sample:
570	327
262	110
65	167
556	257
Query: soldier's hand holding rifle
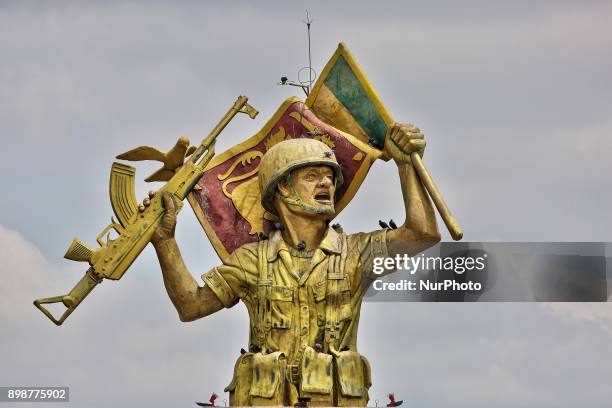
190	300
167	225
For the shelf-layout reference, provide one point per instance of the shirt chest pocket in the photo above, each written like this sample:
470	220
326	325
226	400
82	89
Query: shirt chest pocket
281	305
337	294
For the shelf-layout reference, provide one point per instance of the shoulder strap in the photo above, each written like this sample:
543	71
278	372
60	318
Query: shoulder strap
264	285
335	274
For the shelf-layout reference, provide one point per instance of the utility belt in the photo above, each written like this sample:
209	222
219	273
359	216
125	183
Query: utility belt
268	380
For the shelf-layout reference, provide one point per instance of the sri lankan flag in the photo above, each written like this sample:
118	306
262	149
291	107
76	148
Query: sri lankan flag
342	111
344	98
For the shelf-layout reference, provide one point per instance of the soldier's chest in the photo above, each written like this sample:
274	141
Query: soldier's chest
300	291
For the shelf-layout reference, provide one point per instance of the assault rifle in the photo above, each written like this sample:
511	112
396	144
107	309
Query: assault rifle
136	222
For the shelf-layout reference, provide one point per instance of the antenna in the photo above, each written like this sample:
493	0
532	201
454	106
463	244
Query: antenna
305	85
308	22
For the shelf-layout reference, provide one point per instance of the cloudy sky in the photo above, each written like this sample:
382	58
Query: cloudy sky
513	97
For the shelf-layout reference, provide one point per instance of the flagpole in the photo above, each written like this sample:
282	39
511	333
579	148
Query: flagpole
451	223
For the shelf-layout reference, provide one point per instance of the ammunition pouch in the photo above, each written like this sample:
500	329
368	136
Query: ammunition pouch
350	370
354	379
259	380
267	380
240	386
316	379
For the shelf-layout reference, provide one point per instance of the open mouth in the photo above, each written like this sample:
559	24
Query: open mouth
323	198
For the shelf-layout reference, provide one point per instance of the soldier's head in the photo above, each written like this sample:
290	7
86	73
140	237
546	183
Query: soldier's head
300	176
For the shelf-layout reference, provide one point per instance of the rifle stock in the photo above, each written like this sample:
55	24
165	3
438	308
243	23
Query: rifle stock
136	222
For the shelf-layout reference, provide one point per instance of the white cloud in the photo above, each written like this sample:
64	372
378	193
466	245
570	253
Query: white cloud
599	314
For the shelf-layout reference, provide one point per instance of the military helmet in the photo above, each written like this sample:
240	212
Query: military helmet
289	155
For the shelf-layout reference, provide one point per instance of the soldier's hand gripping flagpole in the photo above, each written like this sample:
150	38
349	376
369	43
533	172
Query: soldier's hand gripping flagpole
415	145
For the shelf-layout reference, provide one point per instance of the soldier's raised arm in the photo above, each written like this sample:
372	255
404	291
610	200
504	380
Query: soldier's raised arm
190	300
420	230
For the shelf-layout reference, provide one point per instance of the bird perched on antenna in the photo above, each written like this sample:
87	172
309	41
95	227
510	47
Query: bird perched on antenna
172	159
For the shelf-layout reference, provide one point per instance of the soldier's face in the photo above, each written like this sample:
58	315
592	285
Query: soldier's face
316	187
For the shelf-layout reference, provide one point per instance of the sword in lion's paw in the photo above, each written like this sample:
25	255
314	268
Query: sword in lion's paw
136	223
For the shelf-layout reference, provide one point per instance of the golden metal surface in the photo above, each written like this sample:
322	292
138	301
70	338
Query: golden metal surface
137	223
172	159
287	156
122	196
303	286
314	300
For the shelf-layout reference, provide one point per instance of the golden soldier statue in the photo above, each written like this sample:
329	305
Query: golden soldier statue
266	205
303	286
